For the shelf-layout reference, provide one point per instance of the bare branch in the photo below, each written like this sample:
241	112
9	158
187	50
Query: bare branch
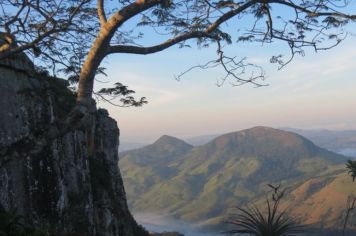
238	70
159	47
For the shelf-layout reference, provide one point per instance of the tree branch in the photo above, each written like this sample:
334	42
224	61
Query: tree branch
55	29
121	16
101	12
227	16
312	13
159	47
183	37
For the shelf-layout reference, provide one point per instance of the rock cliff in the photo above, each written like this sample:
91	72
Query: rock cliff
63	186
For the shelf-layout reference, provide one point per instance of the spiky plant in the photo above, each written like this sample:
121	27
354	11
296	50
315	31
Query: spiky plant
253	221
351	166
351	201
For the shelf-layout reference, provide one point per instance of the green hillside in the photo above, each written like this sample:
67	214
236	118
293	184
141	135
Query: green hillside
321	201
201	184
147	166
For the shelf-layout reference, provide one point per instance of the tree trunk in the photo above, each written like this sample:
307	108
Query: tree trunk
90	66
95	56
101	44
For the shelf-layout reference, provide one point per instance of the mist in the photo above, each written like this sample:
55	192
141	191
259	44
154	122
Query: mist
349	152
160	223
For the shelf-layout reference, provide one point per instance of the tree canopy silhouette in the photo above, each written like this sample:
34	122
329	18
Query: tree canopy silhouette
74	36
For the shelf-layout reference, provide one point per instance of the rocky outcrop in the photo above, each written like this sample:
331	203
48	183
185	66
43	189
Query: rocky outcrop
72	185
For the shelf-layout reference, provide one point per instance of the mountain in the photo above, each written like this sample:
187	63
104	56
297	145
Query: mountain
165	149
147	166
200	140
321	200
339	141
126	146
201	184
343	142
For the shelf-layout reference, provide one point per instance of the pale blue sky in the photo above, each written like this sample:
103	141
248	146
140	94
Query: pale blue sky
315	91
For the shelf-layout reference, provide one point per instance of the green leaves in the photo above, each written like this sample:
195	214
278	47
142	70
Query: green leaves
335	22
122	91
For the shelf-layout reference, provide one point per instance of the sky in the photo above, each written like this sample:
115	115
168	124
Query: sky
316	91
313	92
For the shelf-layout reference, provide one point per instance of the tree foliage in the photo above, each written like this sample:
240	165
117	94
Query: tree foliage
61	32
56	32
75	36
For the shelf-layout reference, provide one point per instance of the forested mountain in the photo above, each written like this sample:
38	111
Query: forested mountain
339	141
201	184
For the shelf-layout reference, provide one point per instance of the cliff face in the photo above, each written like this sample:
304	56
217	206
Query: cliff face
63	186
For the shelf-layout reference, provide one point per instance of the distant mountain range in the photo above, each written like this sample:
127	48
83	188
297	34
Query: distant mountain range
126	146
201	184
342	142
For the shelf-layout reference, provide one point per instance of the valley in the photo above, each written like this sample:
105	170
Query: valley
202	184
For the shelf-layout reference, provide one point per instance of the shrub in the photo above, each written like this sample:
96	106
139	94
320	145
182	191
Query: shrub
272	222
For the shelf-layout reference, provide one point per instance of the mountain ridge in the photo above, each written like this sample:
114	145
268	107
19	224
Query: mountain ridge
199	183
339	141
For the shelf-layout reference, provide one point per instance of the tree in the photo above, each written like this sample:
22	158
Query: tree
76	35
